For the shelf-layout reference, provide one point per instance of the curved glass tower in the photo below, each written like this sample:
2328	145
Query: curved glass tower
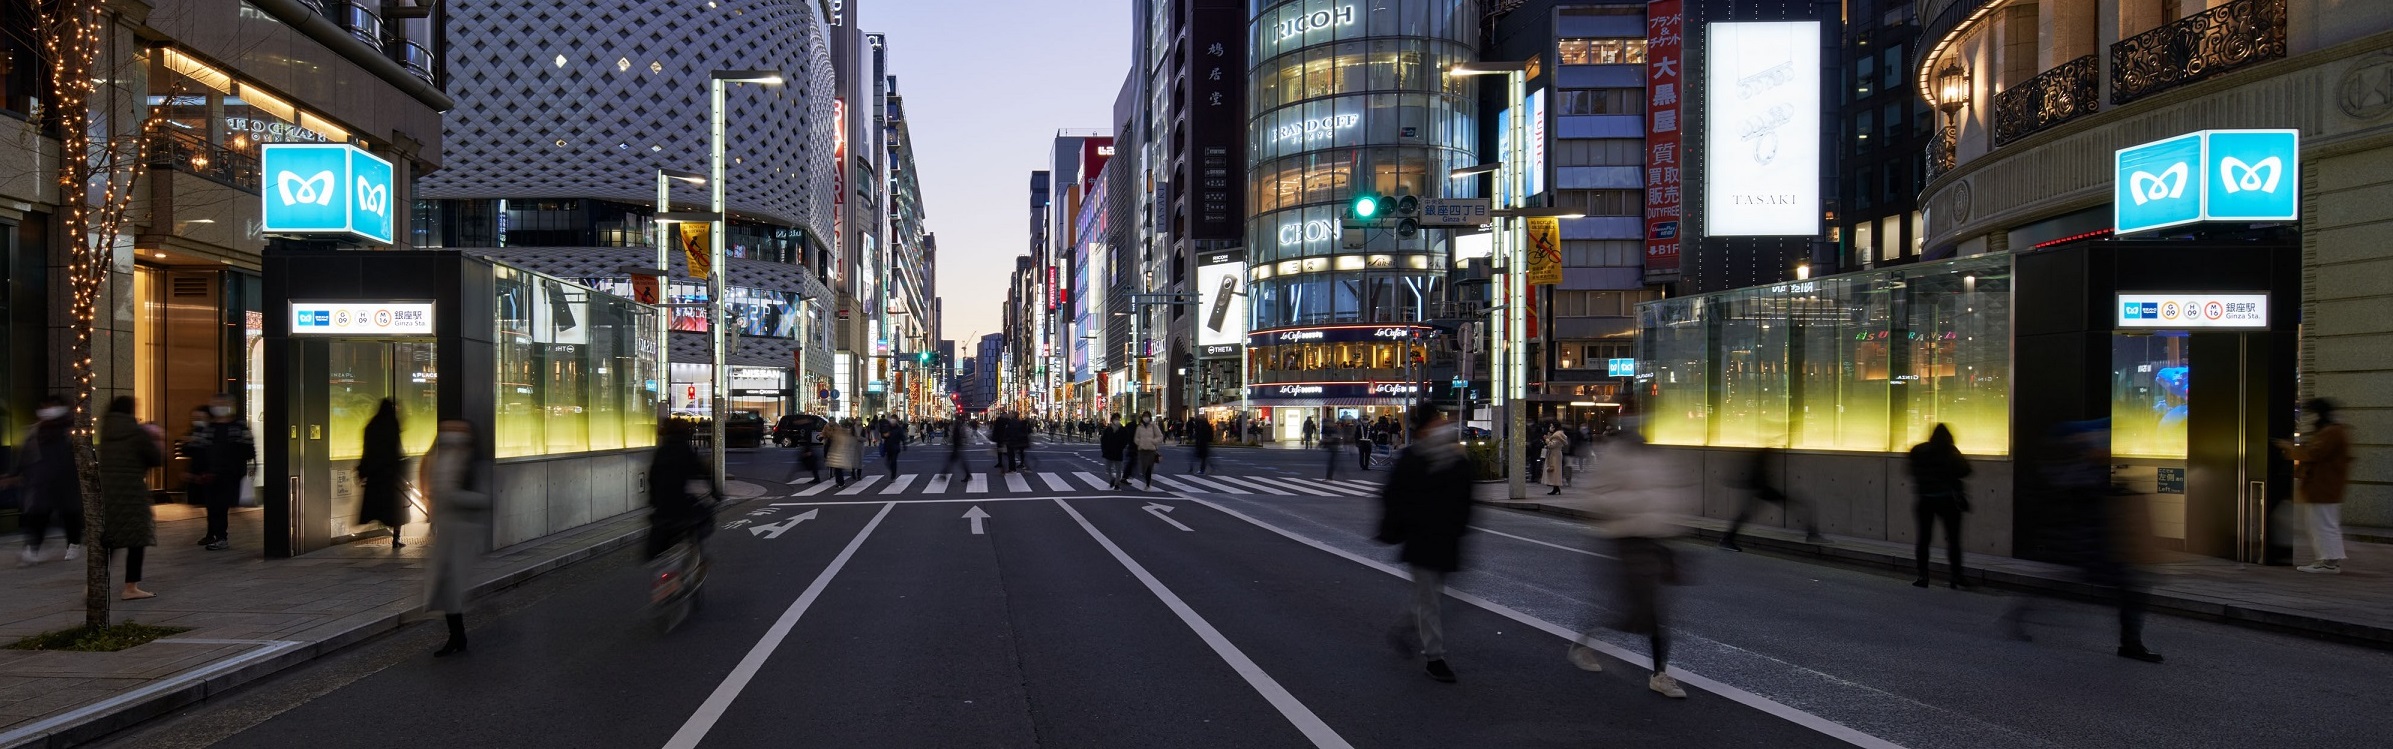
1348	96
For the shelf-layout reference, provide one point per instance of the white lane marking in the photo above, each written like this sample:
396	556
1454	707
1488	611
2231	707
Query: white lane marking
1170	482
1056	482
1295	711
712	710
902	482
1252	484
817	488
1483	529
179	681
1014	482
938	485
959	500
1158	509
1215	485
1094	482
858	487
1824	726
978	485
1310	488
976	514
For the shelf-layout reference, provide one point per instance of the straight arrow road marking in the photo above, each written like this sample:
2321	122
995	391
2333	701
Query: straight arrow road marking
1158	510
976	515
899	487
1295	711
711	711
775	530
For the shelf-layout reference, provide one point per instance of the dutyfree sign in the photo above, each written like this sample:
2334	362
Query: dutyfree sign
327	188
2209	175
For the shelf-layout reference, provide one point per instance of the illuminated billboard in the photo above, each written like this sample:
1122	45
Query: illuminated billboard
1762	85
1221	301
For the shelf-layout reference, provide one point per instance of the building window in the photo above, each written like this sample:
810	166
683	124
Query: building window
1602	202
1602	51
1601	101
1864	124
1865	76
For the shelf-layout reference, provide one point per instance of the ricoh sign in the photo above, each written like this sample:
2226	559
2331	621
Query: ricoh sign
1327	18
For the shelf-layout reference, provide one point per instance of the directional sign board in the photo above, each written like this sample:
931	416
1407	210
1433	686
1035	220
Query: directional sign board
1454	212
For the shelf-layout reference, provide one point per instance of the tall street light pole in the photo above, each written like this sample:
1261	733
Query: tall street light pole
721	379
664	277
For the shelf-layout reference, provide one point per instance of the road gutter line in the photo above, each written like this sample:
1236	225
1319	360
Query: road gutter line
1295	711
712	710
1824	726
179	681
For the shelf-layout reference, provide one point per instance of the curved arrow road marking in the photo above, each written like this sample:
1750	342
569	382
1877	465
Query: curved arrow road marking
1157	510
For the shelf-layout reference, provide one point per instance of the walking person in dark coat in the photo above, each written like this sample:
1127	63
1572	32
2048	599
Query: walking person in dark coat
1426	507
1639	502
1200	442
382	488
219	463
1329	445
50	487
128	450
2097	528
1114	444
1362	444
955	449
1759	489
1937	469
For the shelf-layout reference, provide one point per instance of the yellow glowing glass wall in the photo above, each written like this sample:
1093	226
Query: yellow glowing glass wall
2149	377
1866	362
577	368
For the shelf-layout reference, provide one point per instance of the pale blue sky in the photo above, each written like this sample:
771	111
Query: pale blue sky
987	83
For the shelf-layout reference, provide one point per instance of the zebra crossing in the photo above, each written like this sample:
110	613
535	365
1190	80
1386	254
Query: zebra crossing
915	484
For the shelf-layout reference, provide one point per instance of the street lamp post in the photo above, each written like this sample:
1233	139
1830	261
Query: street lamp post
717	81
664	259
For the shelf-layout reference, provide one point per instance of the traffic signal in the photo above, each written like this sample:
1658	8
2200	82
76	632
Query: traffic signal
924	357
1408	216
1366	206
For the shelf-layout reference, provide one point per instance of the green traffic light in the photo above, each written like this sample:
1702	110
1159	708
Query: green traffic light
1366	205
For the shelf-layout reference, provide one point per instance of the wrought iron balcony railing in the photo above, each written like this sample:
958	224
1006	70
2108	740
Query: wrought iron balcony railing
1943	152
2236	35
2064	93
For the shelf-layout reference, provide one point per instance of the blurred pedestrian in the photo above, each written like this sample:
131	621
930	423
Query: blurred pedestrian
2322	468
1362	444
1426	507
1556	443
460	525
1017	444
1638	501
807	434
841	451
1759	488
2096	527
382	490
1937	469
955	449
1115	446
220	466
681	490
1200	443
1311	428
1149	440
128	450
51	488
893	442
1329	444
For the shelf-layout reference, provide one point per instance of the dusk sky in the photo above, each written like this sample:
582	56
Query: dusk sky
987	83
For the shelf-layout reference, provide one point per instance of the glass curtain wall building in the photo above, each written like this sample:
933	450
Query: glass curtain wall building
1348	96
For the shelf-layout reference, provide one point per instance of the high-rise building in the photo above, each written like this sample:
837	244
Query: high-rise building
1886	128
561	154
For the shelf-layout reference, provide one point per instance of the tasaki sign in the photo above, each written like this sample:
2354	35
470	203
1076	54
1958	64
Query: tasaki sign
2210	175
320	189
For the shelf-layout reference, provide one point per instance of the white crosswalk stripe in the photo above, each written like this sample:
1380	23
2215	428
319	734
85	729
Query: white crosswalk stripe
1250	484
858	487
1216	485
1056	482
938	485
1094	481
1316	487
1167	481
978	485
900	487
1014	482
817	488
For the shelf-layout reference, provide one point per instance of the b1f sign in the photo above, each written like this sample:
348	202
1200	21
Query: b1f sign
2211	175
327	189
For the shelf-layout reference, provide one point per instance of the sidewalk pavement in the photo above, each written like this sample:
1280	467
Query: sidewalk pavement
2354	606
249	616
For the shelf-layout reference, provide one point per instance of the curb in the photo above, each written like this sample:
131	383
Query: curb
356	629
2180	604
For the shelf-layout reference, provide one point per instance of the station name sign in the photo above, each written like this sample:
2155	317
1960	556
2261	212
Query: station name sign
2183	310
411	319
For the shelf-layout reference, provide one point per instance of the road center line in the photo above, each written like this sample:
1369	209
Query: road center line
1824	726
1483	529
712	710
1306	722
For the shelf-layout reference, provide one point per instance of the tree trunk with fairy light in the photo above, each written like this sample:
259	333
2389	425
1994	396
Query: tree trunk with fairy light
95	192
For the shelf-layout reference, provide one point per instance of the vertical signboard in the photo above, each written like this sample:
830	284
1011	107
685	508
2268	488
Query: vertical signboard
1216	112
839	191
696	249
1536	106
1762	130
1545	251
1662	45
1221	304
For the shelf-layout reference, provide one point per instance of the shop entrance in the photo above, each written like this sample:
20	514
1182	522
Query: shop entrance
337	384
2188	351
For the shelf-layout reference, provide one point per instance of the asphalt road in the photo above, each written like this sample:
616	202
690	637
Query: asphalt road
1080	616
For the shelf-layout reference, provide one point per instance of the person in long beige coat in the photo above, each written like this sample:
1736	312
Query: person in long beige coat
2322	469
1557	443
460	525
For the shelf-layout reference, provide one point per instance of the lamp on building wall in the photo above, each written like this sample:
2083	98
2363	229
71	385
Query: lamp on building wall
1952	97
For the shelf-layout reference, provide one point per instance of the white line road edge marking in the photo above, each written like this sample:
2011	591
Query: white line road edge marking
1295	711
1824	726
859	486
1483	529
712	710
179	681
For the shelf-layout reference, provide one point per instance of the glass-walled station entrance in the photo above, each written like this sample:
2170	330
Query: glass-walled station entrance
561	382
2185	350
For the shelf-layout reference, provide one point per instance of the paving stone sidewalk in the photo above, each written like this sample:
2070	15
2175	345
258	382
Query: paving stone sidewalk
249	616
2355	606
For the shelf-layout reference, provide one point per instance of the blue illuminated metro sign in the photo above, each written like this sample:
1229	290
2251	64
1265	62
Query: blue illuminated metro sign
327	189
2209	175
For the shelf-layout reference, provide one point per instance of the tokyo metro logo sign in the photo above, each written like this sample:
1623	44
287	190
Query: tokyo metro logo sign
327	189
2210	175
